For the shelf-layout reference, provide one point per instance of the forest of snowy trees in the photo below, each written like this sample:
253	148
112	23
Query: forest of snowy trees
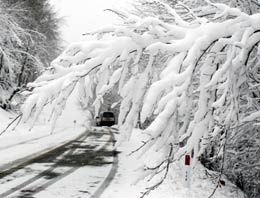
29	40
189	68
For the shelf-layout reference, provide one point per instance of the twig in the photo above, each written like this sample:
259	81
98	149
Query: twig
120	14
222	166
166	168
17	123
20	115
144	143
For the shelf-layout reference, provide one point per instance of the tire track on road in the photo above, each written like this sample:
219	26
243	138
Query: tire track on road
34	189
111	174
33	179
9	168
68	172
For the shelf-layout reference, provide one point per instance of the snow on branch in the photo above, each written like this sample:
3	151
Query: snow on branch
100	56
190	98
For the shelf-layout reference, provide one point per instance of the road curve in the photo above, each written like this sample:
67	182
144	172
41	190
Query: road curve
70	157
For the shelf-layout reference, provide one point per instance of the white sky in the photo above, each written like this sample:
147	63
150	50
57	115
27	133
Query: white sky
85	15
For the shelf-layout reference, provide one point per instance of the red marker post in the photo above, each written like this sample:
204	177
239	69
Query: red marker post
187	176
187	160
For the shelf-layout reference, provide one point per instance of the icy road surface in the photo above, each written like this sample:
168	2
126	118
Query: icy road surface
83	168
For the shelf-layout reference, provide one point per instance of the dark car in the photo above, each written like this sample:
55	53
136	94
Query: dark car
107	118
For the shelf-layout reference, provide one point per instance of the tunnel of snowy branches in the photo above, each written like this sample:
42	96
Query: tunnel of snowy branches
195	80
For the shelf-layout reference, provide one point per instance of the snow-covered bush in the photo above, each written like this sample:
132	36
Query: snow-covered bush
191	76
243	160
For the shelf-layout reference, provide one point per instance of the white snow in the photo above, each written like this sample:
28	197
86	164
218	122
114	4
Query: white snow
203	72
124	184
20	143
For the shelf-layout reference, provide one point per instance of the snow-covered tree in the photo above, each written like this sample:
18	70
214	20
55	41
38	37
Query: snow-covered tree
38	16
12	36
192	77
29	40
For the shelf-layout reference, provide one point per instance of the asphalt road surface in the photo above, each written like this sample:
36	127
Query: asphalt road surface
83	168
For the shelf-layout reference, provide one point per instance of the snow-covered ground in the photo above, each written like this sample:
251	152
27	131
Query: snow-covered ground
63	176
20	143
174	186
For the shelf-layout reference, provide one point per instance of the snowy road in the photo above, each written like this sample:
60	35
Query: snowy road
83	168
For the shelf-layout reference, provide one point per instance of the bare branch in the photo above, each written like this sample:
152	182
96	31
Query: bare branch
10	124
168	161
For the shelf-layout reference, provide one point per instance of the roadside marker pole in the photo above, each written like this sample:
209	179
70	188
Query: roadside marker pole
187	174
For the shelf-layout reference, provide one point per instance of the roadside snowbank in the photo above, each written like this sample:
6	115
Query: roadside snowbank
173	187
19	142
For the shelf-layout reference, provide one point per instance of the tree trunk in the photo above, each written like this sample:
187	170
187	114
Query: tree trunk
22	68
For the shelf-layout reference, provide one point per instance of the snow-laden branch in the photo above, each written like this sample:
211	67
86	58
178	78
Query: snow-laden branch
79	59
191	98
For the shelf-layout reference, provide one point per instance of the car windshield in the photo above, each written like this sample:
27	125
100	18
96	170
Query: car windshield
108	114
